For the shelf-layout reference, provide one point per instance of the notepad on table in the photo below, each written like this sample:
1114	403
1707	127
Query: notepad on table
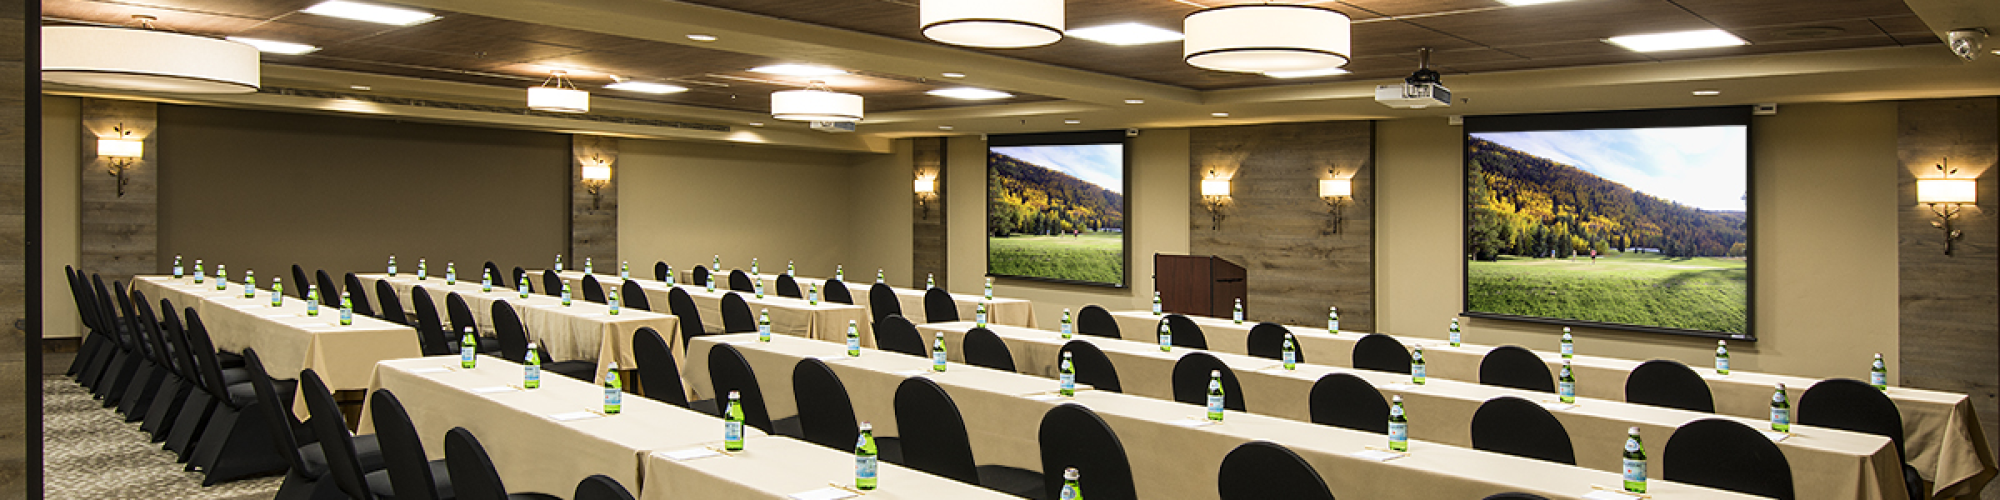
492	390
823	494
575	415
1378	455
1775	436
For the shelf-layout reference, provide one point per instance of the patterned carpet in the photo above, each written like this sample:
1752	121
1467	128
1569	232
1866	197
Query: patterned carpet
90	452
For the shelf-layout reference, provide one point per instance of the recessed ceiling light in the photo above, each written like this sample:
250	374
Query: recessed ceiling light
970	93
646	87
1680	40
1135	101
798	70
1706	92
1308	73
1219	114
700	37
949	74
1072	121
370	13
363	88
944	127
1522	3
1126	34
274	46
756	124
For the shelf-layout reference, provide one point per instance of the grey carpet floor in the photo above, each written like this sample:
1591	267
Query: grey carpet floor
91	452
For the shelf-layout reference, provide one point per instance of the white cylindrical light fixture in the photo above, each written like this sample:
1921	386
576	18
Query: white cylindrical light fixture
815	104
121	148
558	100
147	60
1258	38
1947	191
598	173
989	24
1333	188
926	185
1215	187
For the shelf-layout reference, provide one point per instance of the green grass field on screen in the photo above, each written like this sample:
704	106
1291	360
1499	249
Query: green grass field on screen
1692	293
1090	257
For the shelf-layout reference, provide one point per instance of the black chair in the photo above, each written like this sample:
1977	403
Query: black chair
699	275
633	296
1191	381
934	441
303	479
329	293
1186	333
660	270
789	287
409	474
472	471
593	292
152	368
1092	366
513	340
659	374
552	283
1261	470
1665	382
124	362
826	416
1267	340
176	378
357	296
461	316
1521	428
392	306
492	271
1380	352
1095	320
939	306
431	335
728	371
1072	436
1346	401
300	280
683	308
1853	405
236	442
180	429
882	302
601	487
330	427
1724	454
837	292
984	348
740	281
896	334
736	315
1512	366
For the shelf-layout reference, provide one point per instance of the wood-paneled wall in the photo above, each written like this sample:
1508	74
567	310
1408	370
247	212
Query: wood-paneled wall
1277	227
120	235
593	220
927	223
20	427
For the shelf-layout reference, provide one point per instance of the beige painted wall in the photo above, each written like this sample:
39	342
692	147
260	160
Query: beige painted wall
880	221
685	203
61	131
1825	249
1159	224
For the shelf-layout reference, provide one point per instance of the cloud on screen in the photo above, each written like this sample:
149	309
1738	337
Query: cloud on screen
1100	164
1704	167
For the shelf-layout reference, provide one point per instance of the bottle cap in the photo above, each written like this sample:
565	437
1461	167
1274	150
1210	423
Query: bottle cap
614	367
1781	386
865	427
1633	431
733	395
1069	474
1065	354
1215	373
1396	398
531	346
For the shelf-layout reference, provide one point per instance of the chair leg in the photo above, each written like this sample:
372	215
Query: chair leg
91	343
147	382
189	424
94	369
237	444
118	372
166	405
126	373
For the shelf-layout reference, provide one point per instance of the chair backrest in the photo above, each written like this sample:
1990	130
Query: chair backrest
330	429
1665	382
499	278
300	280
430	328
1260	470
660	270
1267	340
203	350
1186	333
1092	366
601	487
659	374
1380	352
156	339
1851	405
728	371
699	275
896	334
512	334
836	292
984	348
1191	381
789	287
633	296
518	276
1095	320
593	292
183	352
826	416
1074	436
682	305
740	281
402	450
552	283
329	293
1346	401
473	476
461	315
882	301
939	307
107	312
1521	428
392	306
1724	454
142	333
1513	366
932	431
127	317
282	422
85	308
736	315
357	295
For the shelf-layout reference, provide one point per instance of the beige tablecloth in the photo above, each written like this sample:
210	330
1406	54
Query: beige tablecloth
789	316
583	330
533	451
1000	310
285	338
1941	434
806	467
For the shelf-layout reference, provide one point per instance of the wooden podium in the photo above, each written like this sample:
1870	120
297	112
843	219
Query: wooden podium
1202	285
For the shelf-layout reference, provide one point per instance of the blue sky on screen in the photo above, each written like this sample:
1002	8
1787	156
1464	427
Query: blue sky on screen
1704	167
1100	164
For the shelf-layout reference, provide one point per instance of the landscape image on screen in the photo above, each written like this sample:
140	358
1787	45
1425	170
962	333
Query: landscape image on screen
1643	226
1057	212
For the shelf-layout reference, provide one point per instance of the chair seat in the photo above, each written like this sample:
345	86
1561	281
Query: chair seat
367	450
233	376
379	484
241	395
1018	482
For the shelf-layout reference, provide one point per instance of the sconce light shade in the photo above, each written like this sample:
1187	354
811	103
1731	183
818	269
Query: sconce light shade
147	60
1258	38
1947	191
121	148
599	173
988	24
558	100
1215	187
926	185
815	105
1330	188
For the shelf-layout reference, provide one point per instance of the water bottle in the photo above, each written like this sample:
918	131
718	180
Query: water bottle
312	301
468	350
450	273
486	280
715	266
930	281
532	370
614	393
1066	325
853	339
1399	425
1568	344
989	288
1156	303
221	278
670	275
1214	395
757	285
197	271
1071	489
1291	352
346	310
250	283
979	315
392	265
1166	338
277	291
880	277
1417	366
764	325
865	459
565	294
624	270
1781	411
937	353
1454	332
1878	374
791	270
1722	357
588	268
711	281
1635	462
1332	320
838	273
558	263
524	286
1566	384
1237	315
177	267
753	266
423	270
1067	378
732	423
812	293
611	299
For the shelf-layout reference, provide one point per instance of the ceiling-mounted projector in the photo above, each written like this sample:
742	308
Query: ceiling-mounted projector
1421	90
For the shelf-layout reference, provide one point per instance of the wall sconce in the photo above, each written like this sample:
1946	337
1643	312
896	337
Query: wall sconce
1214	194
1946	196
926	190
596	175
1337	192
122	152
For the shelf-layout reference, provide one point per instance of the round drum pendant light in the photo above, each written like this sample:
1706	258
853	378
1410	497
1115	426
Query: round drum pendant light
558	95
147	60
991	24
1258	38
816	103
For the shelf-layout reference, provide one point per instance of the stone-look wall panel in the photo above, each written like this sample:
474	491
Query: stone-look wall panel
927	222
120	234
594	222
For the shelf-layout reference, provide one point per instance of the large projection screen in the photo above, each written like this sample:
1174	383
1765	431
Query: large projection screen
1055	207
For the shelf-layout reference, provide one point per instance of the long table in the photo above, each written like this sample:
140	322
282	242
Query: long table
1826	463
999	310
1173	454
825	320
1941	434
779	467
583	330
285	338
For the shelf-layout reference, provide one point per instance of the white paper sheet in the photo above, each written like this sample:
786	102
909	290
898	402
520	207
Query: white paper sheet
575	415
690	454
1775	436
1377	455
1608	495
823	494
492	390
1399	387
